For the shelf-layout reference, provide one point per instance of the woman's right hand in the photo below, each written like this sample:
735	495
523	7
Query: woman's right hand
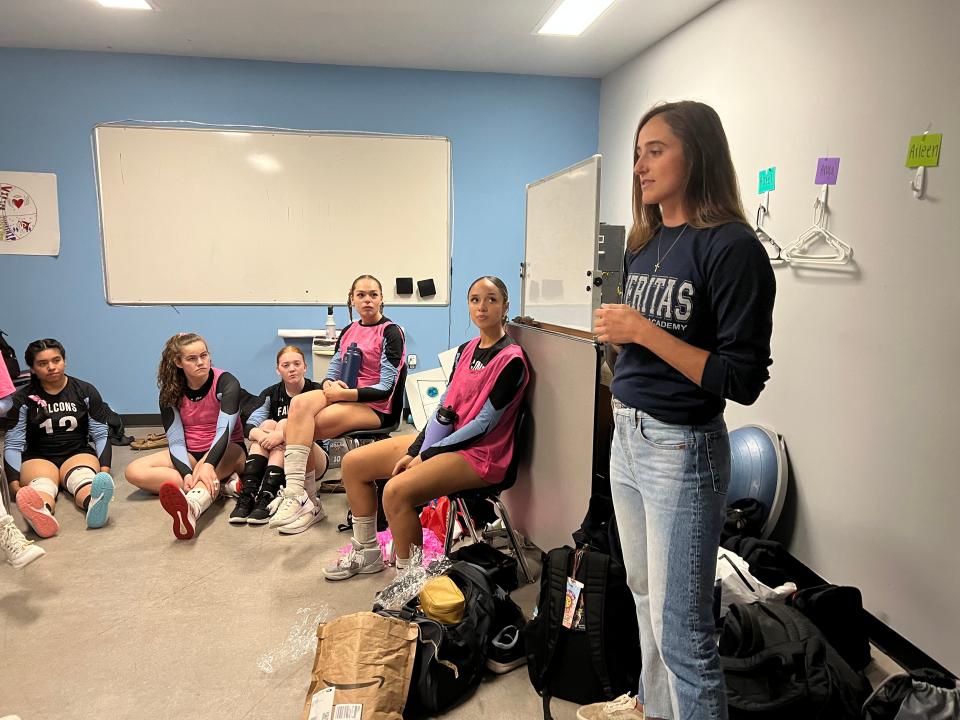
273	439
401	465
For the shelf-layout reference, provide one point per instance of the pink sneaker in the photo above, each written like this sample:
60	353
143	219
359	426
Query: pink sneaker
36	513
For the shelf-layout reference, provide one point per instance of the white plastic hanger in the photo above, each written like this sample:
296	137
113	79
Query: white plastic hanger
762	234
798	250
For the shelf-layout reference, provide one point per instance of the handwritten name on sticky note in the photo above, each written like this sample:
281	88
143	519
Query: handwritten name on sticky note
827	170
924	150
768	180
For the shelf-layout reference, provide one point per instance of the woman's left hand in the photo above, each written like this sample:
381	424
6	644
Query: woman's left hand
337	393
619	324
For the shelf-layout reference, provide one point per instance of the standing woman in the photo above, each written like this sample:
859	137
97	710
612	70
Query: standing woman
695	331
262	477
337	408
57	418
489	378
199	408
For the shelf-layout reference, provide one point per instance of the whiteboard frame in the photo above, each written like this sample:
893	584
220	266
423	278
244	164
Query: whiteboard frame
591	272
413	301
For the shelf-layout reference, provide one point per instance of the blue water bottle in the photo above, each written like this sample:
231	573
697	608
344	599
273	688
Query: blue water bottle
439	427
352	360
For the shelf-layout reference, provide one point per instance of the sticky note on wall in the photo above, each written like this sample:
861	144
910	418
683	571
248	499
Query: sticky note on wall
768	180
828	168
924	150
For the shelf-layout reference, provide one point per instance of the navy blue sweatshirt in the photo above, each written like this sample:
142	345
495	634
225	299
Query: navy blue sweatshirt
715	291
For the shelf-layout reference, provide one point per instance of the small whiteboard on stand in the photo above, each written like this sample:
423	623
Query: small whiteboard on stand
560	254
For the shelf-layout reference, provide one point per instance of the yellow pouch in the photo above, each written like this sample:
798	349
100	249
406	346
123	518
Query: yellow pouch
442	600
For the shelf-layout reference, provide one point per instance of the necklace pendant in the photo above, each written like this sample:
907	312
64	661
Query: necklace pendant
656	268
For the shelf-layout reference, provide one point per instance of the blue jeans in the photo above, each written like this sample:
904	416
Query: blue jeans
669	486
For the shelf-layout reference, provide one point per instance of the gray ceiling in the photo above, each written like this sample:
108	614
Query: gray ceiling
476	35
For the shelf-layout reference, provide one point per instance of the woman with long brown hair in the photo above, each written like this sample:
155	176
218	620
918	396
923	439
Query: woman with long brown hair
694	331
199	408
338	408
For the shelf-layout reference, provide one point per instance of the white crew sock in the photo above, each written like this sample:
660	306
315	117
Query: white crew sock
401	563
294	468
365	530
309	484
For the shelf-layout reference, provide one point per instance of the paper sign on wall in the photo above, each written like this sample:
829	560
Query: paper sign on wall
828	168
768	180
29	216
924	150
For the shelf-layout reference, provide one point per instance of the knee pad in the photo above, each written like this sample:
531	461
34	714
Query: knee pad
46	486
78	478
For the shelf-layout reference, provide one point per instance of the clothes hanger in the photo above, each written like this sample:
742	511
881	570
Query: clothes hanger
798	250
764	236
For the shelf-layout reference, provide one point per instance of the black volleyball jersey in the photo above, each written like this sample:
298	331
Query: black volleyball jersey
56	426
272	404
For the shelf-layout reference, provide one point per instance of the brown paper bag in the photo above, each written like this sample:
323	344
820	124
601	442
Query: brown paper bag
368	658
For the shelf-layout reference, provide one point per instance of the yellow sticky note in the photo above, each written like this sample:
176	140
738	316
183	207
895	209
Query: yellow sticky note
924	150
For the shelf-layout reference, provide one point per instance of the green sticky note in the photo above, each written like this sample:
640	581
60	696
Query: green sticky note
768	180
924	150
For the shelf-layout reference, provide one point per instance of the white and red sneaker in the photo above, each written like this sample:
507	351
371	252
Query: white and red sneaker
184	514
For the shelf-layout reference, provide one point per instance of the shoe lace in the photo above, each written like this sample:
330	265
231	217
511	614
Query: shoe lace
11	539
624	702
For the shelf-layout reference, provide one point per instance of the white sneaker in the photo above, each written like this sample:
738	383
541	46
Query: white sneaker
360	560
291	508
231	486
305	520
16	547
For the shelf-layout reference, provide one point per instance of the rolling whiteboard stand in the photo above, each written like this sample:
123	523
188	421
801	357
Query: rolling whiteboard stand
561	276
175	202
559	465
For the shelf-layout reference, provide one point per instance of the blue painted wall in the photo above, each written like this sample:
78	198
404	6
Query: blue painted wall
506	130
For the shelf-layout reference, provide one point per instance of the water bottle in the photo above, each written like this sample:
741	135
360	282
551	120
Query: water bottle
331	325
352	360
439	427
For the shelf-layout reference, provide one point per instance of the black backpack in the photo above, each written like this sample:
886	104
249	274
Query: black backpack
450	659
9	357
838	612
777	666
593	661
769	561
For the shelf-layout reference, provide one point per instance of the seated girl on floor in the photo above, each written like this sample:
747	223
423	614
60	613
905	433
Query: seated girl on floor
199	408
486	388
262	477
60	438
338	408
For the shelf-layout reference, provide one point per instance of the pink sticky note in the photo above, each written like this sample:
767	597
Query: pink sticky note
827	170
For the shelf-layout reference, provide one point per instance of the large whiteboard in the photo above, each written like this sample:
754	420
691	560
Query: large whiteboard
221	216
563	222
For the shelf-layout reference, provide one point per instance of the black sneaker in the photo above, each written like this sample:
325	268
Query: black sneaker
243	508
506	651
268	499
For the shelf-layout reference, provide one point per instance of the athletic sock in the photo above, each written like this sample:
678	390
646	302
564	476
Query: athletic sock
295	467
253	471
365	530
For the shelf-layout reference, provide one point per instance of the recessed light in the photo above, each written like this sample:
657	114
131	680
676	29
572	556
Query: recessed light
126	4
572	17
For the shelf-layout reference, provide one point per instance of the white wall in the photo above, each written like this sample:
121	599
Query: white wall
864	383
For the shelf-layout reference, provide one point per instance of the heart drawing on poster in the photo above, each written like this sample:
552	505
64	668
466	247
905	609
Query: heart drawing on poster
18	202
